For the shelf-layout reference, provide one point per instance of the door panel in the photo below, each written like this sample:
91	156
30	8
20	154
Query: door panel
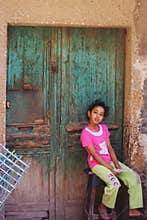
28	124
31	197
33	99
25	81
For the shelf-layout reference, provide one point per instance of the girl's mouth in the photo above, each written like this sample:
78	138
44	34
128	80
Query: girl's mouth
96	120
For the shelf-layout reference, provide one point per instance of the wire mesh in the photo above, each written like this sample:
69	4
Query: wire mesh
12	168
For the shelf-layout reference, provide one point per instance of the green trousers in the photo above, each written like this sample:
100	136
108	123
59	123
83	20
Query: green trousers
130	178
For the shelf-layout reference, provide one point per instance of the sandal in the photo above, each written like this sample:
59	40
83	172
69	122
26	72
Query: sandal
135	214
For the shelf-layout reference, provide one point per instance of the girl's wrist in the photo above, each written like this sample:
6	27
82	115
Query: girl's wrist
116	162
117	165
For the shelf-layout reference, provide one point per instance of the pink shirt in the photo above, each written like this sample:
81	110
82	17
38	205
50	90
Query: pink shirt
98	141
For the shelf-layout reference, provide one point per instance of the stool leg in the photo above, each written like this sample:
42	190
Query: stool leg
122	203
91	204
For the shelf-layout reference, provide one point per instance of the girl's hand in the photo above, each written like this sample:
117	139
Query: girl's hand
113	171
117	165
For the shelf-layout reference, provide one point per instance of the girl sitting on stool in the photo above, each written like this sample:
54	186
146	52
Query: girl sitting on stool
103	162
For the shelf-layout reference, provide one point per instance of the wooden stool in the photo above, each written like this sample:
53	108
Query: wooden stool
95	190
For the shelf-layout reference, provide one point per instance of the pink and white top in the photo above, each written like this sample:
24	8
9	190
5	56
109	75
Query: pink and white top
97	139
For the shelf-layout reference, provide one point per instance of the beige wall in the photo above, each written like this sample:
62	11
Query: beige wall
3	39
68	12
86	13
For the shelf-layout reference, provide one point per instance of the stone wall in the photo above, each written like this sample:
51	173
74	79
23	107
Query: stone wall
141	67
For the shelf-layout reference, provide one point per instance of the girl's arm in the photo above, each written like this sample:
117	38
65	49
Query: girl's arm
92	151
112	154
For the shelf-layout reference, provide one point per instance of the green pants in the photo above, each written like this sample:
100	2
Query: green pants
130	178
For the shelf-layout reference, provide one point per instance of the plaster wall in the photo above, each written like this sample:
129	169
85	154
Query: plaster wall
68	12
92	13
83	13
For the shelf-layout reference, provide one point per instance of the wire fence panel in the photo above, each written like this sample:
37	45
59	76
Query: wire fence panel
12	168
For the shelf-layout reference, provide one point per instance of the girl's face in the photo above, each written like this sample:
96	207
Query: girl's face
96	115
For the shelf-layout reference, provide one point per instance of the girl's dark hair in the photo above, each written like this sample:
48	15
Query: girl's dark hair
96	103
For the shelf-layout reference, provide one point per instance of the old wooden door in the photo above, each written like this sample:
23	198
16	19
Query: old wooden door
53	75
28	127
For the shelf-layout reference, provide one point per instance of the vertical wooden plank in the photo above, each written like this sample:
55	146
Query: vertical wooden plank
33	57
119	79
109	42
56	180
15	52
46	73
60	169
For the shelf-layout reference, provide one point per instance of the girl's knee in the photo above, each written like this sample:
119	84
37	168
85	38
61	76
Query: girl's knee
138	179
135	180
132	180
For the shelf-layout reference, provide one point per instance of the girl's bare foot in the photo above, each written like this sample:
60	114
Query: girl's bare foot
103	212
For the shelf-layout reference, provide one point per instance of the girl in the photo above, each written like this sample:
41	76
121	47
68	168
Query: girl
103	162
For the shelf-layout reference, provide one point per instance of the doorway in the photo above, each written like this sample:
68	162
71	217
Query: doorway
53	75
